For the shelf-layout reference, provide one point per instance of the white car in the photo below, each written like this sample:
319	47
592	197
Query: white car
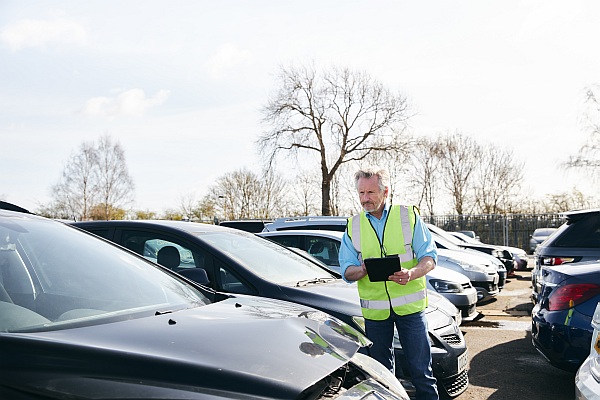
587	379
324	245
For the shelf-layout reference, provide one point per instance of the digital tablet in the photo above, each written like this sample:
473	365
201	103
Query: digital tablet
379	269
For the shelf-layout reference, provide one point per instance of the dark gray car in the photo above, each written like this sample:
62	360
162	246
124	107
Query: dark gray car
578	239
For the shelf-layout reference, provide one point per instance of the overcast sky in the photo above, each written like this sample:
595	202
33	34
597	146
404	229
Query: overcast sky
180	84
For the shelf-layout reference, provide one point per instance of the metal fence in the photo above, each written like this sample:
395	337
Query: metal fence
508	230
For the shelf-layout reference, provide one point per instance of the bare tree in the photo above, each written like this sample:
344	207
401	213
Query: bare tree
499	178
77	190
243	194
337	115
425	173
304	193
95	178
461	156
188	204
115	186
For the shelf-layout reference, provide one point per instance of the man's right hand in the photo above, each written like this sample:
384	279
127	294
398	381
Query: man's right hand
356	272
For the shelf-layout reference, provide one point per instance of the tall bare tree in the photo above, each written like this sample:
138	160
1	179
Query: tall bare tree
461	156
337	115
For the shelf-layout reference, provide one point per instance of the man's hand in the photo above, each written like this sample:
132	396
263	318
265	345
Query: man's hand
404	276
356	272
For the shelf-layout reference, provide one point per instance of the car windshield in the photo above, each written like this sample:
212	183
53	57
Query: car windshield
581	233
269	260
53	276
443	242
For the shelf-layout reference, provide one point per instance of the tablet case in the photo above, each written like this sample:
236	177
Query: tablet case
379	269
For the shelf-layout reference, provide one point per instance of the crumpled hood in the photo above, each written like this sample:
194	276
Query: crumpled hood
240	342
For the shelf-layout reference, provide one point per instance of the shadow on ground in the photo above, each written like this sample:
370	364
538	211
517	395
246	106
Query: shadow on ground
527	376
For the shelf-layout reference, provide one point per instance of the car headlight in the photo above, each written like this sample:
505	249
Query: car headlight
382	375
442	286
469	267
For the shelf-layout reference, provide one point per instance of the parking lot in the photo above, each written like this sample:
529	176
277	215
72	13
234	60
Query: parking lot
504	365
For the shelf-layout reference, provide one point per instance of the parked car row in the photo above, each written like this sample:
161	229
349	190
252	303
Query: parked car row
230	260
81	317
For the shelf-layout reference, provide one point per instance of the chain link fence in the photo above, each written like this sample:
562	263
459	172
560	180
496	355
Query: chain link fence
507	230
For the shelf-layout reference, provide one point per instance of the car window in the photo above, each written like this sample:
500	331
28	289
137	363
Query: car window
583	233
165	250
324	249
289	240
229	281
264	258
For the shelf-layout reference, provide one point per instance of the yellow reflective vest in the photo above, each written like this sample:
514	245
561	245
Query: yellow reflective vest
377	299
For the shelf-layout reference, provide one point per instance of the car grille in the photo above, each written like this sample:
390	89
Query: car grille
453	339
456	385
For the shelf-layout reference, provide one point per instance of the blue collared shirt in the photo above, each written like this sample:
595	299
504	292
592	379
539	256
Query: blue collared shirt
422	243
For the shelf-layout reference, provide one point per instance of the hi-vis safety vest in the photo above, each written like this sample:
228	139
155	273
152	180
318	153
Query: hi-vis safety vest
377	299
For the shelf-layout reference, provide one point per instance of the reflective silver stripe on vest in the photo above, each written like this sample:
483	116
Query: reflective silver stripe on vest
404	220
395	302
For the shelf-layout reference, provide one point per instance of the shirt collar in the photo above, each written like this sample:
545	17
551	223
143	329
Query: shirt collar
386	208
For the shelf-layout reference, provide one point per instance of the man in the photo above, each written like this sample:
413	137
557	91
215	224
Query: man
383	230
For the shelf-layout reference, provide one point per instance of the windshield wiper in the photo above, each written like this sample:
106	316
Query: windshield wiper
314	281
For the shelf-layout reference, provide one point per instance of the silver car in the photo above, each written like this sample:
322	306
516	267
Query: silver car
324	245
587	380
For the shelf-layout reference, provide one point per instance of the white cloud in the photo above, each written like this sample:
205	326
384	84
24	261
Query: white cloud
38	33
227	57
131	103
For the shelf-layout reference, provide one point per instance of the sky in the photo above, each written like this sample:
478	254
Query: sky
180	84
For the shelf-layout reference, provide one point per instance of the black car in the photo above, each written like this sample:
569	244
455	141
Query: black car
577	239
81	318
234	261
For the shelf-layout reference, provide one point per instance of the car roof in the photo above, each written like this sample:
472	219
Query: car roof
322	222
187	226
578	214
305	232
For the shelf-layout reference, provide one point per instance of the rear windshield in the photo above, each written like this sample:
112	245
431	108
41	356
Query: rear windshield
582	233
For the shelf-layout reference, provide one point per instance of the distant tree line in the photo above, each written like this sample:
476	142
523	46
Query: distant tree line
330	122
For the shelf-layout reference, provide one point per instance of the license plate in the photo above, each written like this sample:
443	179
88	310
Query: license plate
463	360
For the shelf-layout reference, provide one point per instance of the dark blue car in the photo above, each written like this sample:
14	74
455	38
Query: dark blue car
561	318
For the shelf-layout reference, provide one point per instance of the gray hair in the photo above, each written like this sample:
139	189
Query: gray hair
383	176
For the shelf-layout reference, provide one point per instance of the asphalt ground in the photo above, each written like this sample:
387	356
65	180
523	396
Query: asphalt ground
503	364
